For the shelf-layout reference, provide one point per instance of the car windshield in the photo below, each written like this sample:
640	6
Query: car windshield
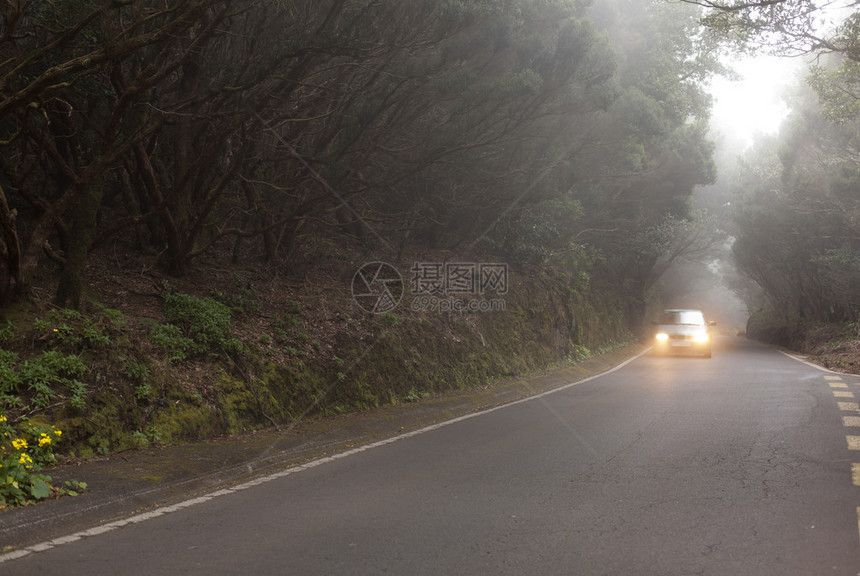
683	317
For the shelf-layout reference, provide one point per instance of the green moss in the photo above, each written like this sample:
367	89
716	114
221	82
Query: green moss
184	421
237	406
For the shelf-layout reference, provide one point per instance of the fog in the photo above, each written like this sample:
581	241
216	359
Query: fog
753	104
746	109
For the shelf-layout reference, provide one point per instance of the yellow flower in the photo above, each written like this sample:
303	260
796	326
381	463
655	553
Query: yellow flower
44	439
19	444
25	460
2	417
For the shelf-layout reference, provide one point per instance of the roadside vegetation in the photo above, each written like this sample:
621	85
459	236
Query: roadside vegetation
180	367
24	450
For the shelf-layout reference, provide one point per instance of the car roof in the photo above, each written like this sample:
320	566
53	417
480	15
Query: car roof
682	316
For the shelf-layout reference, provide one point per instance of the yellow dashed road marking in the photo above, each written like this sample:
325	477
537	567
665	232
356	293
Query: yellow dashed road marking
854	421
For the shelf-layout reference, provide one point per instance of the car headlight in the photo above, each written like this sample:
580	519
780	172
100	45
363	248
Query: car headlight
662	337
700	337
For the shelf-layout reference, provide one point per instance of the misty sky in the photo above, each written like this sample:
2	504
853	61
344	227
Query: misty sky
753	105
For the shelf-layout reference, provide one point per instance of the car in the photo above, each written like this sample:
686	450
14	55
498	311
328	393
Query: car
683	331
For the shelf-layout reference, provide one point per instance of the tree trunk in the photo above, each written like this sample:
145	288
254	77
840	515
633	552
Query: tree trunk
156	198
10	251
81	234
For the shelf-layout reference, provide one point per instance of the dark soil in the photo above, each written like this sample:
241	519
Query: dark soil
830	347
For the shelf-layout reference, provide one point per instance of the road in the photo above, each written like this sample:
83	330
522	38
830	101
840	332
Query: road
736	465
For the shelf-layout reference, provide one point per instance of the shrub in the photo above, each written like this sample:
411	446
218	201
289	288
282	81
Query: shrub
578	354
23	453
195	326
170	338
204	320
50	371
6	332
283	324
137	371
9	379
44	377
70	330
243	300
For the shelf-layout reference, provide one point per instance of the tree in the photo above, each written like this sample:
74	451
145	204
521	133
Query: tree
795	237
797	232
512	127
652	149
71	100
783	27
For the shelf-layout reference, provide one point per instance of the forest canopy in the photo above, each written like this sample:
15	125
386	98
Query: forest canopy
521	129
796	203
568	131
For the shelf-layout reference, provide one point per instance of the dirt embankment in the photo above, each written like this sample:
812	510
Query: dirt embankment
834	346
255	347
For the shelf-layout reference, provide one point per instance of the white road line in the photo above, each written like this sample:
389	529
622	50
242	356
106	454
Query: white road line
834	374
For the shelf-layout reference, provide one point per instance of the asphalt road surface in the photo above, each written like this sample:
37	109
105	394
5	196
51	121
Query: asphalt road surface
741	464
